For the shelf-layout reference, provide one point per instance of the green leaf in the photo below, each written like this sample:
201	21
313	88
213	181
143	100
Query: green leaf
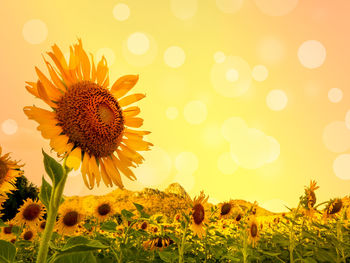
7	251
127	214
77	257
139	208
45	193
109	226
53	169
166	256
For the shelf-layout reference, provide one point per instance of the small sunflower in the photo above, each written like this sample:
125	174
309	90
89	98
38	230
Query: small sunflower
42	225
9	171
30	213
28	234
198	215
157	243
103	209
69	219
144	225
226	209
253	231
6	233
334	206
310	193
90	124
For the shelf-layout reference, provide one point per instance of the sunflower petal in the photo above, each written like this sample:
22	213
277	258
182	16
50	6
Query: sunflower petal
52	92
49	131
137	145
85	62
56	80
74	159
43	95
106	179
131	99
59	144
102	71
123	85
40	115
134	122
32	89
131	111
94	169
85	168
131	154
113	172
123	168
137	132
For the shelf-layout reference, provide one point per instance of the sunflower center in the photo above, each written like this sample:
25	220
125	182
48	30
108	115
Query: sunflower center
239	217
43	224
92	118
336	207
144	225
70	218
104	209
254	230
3	171
31	212
198	214
225	209
8	230
28	235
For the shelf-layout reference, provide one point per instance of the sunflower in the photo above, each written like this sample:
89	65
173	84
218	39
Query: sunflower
69	219
103	209
29	214
157	243
28	234
42	225
90	124
226	209
253	231
6	233
9	171
334	206
198	215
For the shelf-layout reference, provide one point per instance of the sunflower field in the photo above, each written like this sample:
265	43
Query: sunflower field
98	231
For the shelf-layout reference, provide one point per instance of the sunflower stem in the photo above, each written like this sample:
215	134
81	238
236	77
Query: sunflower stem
55	200
181	247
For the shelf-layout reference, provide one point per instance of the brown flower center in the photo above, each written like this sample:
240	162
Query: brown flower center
239	217
31	212
198	214
104	209
70	218
253	230
311	199
3	171
144	225
225	209
43	224
28	235
91	117
8	229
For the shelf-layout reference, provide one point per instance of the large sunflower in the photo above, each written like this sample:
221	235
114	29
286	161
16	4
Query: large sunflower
9	171
70	218
90	123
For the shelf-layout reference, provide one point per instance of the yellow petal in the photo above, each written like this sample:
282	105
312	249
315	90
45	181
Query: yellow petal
102	71
59	144
93	69
85	62
123	85
94	169
49	131
113	172
137	145
74	159
122	167
134	122
56	80
52	92
105	176
40	115
131	111
137	132
131	154
43	95
131	99
32	89
85	168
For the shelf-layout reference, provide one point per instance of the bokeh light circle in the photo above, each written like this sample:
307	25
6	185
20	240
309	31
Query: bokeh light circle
9	127
156	168
107	53
195	112
347	119
219	57
139	49
227	87
121	12
138	43
341	166
260	73
211	135
336	137
271	50
335	95
229	6
184	9
172	113
35	31
312	54
186	162
174	56
276	100
232	75
233	128
226	164
276	7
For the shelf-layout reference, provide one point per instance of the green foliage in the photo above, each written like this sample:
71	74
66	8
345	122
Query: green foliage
7	252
